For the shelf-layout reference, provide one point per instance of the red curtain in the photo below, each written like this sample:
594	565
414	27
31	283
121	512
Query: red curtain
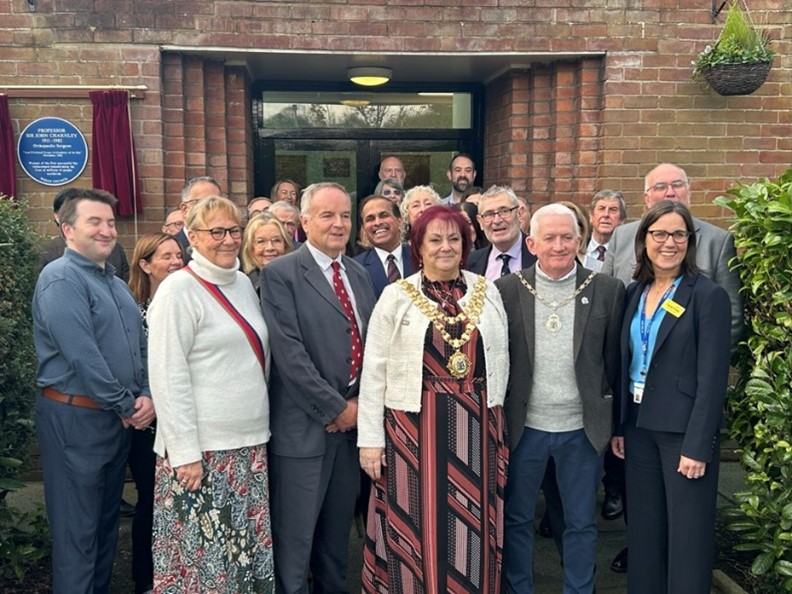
7	153
113	162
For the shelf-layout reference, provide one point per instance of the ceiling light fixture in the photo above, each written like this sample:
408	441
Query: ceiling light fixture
355	102
369	76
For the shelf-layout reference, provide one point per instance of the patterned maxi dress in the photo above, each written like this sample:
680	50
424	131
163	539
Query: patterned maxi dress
435	521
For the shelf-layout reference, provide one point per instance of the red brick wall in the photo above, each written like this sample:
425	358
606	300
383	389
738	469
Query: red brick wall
558	130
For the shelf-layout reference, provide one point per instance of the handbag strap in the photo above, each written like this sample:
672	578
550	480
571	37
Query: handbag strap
250	333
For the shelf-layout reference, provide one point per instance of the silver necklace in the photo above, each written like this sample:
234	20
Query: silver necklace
553	323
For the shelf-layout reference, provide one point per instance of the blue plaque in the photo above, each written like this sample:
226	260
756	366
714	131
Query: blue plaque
52	151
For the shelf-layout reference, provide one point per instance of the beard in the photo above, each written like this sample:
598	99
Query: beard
461	184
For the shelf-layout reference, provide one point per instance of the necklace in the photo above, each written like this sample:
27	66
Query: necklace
459	364
553	323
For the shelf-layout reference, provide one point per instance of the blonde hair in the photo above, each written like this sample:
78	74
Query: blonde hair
257	222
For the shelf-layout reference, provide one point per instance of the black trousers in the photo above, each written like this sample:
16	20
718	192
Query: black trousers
141	462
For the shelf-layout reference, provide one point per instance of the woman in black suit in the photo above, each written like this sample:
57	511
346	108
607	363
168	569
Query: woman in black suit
675	364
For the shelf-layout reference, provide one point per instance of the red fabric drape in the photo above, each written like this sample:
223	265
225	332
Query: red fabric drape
7	158
113	163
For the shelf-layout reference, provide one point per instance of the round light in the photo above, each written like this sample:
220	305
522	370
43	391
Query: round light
369	76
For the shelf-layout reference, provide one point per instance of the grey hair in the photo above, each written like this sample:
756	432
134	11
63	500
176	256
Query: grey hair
656	167
553	209
284	205
310	192
610	195
408	196
391	183
185	193
495	191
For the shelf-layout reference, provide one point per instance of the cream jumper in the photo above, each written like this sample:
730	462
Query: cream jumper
208	388
393	358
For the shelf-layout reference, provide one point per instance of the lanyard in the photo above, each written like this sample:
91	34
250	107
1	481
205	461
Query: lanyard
646	331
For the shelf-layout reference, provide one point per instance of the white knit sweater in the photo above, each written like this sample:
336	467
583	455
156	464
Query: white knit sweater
393	359
206	382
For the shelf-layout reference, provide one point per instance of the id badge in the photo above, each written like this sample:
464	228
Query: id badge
638	390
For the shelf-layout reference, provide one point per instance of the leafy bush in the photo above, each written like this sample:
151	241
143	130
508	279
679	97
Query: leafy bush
739	42
22	535
760	407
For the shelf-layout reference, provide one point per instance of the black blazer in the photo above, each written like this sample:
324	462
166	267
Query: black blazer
687	378
373	265
477	260
595	348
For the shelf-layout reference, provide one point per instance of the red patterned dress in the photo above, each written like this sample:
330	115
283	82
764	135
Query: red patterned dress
435	521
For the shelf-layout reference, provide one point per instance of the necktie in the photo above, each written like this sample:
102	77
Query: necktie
505	268
393	270
346	304
601	253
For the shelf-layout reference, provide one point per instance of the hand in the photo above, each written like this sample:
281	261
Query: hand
617	446
371	461
347	420
189	475
692	469
144	413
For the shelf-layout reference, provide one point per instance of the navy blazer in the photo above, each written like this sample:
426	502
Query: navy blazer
477	260
687	378
311	349
373	265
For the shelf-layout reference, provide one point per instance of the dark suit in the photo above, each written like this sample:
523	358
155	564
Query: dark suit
379	275
184	242
477	260
313	474
671	534
597	323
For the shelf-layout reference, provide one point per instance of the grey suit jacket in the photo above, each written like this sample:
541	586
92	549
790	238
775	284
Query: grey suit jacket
714	249
310	343
598	316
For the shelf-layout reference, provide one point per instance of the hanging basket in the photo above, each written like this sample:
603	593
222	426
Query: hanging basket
736	79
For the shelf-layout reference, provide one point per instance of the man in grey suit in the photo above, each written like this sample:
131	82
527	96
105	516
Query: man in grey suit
317	303
564	326
714	246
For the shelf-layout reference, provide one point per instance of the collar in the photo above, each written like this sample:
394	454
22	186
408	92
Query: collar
91	265
213	273
515	251
323	260
383	254
569	274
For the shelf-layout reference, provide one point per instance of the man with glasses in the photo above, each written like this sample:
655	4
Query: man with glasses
192	192
289	217
714	249
499	213
174	222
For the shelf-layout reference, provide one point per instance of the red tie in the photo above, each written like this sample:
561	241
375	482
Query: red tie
346	304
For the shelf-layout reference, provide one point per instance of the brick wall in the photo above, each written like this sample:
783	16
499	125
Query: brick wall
557	130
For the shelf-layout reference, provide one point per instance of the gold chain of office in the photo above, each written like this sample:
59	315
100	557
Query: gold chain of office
553	323
459	364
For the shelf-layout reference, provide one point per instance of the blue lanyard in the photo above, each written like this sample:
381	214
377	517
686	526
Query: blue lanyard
645	332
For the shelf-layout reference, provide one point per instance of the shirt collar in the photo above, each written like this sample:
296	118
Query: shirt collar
556	280
383	254
323	260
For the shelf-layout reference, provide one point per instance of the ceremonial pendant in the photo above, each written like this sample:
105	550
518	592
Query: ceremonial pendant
459	365
553	323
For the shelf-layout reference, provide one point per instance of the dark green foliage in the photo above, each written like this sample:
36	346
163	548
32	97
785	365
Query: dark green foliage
22	536
760	407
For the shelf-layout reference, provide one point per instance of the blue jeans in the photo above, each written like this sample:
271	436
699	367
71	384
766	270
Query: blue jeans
578	469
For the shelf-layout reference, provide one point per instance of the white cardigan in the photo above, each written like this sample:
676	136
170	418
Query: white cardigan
392	374
207	385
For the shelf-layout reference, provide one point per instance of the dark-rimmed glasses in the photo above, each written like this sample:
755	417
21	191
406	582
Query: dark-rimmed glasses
219	233
661	235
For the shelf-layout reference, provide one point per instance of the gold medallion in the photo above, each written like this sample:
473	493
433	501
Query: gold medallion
553	323
459	364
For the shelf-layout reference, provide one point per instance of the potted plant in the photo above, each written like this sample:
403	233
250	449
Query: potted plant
740	60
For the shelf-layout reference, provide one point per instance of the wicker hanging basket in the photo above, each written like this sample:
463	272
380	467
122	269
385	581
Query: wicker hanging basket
736	79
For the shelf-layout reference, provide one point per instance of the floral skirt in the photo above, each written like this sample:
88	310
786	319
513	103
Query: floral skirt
216	540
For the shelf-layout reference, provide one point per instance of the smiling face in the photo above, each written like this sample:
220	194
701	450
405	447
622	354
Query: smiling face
166	259
660	184
441	250
666	256
286	191
461	174
220	252
554	243
380	224
419	202
329	221
268	244
502	230
93	233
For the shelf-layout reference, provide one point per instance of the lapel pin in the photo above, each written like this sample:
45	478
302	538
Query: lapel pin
584	301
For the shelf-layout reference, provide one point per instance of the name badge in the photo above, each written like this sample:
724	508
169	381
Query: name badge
673	308
638	391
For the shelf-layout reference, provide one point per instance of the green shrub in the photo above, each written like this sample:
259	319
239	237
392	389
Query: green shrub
760	406
22	535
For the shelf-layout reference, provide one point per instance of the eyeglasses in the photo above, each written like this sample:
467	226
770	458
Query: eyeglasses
219	233
662	187
274	242
661	236
392	192
288	224
178	225
503	213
